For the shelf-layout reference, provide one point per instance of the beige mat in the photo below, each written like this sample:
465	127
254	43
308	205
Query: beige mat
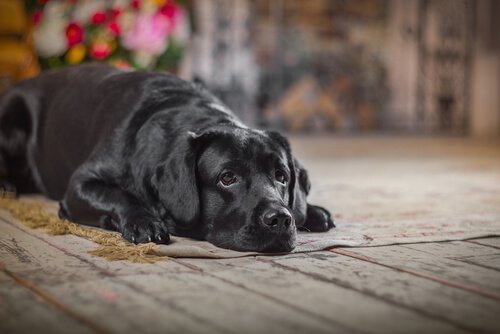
381	191
40	213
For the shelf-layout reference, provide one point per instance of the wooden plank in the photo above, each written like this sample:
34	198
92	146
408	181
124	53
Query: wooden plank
230	306
490	242
37	259
139	303
453	249
462	308
120	307
78	247
419	262
82	289
23	312
487	261
468	252
339	303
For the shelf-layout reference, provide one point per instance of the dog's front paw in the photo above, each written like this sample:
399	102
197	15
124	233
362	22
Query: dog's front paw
318	219
140	228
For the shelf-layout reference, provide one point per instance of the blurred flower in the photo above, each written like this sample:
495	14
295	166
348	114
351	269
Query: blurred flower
136	4
98	17
74	34
100	49
36	17
143	58
126	20
148	34
75	54
115	12
159	3
50	39
181	29
125	32
55	10
114	28
170	10
120	63
84	10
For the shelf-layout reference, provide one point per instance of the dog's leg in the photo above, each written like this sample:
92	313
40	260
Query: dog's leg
313	218
5	185
91	199
16	126
318	219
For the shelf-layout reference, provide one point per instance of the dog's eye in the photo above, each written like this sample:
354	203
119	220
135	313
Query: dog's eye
227	178
280	176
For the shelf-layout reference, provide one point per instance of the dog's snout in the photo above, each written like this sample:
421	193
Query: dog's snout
277	218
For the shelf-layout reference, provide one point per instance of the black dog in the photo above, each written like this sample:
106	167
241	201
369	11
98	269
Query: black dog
149	155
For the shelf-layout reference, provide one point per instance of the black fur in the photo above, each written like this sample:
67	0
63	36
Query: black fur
143	153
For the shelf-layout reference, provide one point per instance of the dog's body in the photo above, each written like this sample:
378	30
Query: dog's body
149	155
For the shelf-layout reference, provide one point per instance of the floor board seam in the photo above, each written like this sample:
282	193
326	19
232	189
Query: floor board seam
105	272
52	300
380	298
279	301
482	292
62	250
465	260
474	241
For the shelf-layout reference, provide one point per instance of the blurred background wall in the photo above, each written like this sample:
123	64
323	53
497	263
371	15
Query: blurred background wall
329	66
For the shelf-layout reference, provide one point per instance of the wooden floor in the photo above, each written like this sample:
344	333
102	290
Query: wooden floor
51	285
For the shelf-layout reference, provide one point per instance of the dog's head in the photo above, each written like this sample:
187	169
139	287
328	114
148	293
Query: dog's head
238	185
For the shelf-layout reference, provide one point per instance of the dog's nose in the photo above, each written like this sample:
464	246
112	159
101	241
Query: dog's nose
277	218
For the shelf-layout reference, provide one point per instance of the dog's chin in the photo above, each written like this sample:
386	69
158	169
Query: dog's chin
280	246
275	244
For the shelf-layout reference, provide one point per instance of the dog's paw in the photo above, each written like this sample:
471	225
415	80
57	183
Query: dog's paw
143	228
318	219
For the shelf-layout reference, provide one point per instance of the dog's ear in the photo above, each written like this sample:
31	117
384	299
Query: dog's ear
283	142
176	179
176	183
302	187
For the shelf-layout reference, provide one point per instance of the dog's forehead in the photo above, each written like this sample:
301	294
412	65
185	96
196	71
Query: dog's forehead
246	146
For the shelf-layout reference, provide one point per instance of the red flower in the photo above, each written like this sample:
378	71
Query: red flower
136	4
114	28
100	50
115	12
169	10
74	34
36	17
98	18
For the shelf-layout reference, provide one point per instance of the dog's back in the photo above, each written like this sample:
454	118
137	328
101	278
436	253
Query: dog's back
50	124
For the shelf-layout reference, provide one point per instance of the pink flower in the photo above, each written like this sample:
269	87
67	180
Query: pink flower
148	34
